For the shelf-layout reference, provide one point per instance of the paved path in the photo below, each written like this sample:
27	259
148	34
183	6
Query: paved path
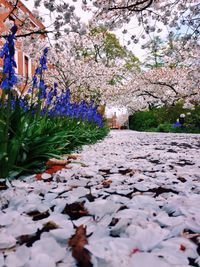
132	200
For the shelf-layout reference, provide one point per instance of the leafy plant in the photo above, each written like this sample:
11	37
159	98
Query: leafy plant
45	124
162	119
142	120
165	127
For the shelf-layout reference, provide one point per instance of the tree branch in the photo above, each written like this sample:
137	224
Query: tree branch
149	94
164	84
28	34
137	7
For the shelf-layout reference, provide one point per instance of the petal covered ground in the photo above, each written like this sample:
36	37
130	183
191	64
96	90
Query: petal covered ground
131	200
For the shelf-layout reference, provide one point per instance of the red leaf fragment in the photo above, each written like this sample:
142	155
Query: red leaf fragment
182	247
38	176
53	166
54	169
53	162
135	250
77	243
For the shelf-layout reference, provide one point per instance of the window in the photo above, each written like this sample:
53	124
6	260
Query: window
11	18
26	67
16	60
9	22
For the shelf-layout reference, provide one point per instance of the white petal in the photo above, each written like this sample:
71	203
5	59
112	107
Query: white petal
147	238
49	247
62	235
1	260
101	207
41	260
8	218
174	244
6	240
13	261
147	260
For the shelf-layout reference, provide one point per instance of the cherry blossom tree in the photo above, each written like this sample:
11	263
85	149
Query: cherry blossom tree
92	65
152	15
177	78
59	18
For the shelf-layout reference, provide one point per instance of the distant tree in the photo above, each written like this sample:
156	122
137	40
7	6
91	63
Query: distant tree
178	78
155	53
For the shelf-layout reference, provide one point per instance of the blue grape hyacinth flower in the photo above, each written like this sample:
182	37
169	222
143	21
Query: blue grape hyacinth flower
9	64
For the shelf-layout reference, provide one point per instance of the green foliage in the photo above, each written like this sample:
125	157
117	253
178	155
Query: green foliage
131	61
32	132
111	45
155	56
111	49
162	119
32	141
193	118
169	113
142	120
115	80
164	127
80	133
97	30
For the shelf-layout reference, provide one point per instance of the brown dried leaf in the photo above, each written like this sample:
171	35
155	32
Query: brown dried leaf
189	235
124	171
75	210
84	165
73	156
105	170
12	249
3	185
106	183
30	239
182	179
50	225
77	243
37	215
134	171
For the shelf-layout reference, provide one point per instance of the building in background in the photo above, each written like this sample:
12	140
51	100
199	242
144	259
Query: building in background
117	118
23	18
112	122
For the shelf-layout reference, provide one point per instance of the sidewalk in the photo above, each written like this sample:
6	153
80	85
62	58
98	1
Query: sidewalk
132	200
